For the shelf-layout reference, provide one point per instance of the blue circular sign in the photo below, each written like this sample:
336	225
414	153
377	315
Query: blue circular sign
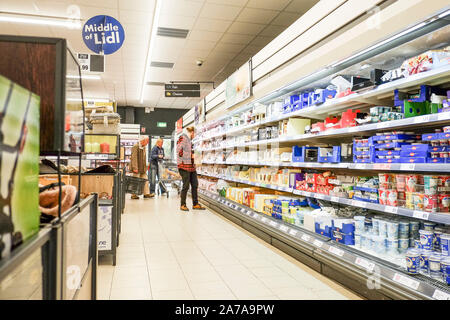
103	34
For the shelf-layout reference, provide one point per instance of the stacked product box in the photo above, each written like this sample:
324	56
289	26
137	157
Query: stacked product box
363	150
366	189
438	148
392	147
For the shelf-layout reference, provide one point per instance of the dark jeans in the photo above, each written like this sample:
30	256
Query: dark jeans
154	171
189	178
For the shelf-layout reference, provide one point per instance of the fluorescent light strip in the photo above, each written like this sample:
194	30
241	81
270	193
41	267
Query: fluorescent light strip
151	45
30	19
85	76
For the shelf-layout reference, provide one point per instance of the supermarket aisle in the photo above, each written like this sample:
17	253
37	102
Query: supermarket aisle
166	254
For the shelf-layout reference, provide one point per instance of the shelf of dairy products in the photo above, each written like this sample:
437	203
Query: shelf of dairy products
391	268
410	123
436	76
443	218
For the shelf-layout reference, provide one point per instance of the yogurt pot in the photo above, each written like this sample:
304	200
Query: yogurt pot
400	180
358	241
403	229
412	243
445	266
382	228
444	202
434	263
411	182
426	239
359	224
424	257
392	246
429	226
418	244
409	200
430	203
379	245
430	184
418	200
363	241
437	240
445	242
403	245
368	224
412	261
392	230
414	227
375	226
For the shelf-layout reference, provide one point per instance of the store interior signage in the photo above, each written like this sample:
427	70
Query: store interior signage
182	90
161	124
103	34
239	85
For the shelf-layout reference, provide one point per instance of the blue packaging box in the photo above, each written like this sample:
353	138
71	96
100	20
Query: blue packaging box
439	149
396	137
425	93
413	159
373	190
387	153
343	231
304	100
431	136
325	232
365	200
361	153
393	160
320	96
299	154
444	135
415	148
438	160
390	145
334	157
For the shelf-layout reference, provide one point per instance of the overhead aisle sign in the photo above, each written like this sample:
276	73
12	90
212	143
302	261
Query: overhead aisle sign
103	34
182	90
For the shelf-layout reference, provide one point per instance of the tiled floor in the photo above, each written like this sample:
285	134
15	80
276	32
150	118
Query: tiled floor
167	254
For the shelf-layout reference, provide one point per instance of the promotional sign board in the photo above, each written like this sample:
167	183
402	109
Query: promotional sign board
199	113
239	86
19	165
103	34
179	125
91	62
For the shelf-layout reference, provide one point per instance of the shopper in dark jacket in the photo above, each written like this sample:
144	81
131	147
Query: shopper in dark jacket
156	156
139	166
186	167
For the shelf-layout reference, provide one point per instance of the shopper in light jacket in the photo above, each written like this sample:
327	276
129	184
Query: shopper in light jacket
139	165
156	156
186	167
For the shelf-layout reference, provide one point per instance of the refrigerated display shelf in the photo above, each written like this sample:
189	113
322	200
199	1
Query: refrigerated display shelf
410	123
410	167
394	281
443	218
437	76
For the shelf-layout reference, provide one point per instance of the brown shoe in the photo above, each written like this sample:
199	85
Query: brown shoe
184	208
148	196
198	207
134	197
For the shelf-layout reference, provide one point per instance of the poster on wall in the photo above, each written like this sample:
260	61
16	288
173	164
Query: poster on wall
239	86
199	113
19	164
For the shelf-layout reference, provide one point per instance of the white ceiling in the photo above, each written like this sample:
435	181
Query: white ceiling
223	33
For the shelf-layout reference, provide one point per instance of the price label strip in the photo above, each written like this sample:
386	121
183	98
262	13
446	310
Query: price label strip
421	215
407	166
439	295
391	209
273	224
284	228
293	232
264	219
306	238
406	281
369	266
318	243
336	251
443	116
334	199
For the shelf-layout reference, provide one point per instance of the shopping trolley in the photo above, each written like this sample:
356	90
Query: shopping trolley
168	178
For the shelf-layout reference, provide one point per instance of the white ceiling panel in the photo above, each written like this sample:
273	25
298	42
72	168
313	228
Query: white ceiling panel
272	31
212	24
268	4
224	33
237	38
176	21
257	15
246	28
217	11
301	6
142	5
181	8
285	19
200	35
